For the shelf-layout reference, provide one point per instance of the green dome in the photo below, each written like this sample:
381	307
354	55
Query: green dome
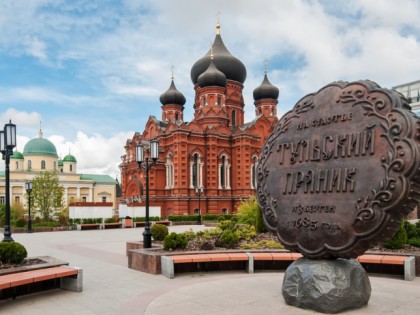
40	146
69	158
17	155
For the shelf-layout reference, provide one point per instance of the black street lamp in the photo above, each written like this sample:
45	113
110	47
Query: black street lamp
154	155
28	187
7	143
199	192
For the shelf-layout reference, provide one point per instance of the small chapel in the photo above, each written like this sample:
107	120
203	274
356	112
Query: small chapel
206	165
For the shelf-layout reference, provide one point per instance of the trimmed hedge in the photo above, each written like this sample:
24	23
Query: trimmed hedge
180	218
143	219
111	220
217	217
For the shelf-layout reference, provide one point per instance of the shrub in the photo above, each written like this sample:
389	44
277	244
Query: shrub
143	219
399	240
415	241
111	220
410	229
159	232
2	217
91	220
225	225
175	241
210	217
63	219
250	213
180	218
75	221
46	224
263	244
12	252
229	238
189	235
20	222
247	232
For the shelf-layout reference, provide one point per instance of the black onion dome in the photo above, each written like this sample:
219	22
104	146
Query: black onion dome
266	90
212	77
231	66
172	96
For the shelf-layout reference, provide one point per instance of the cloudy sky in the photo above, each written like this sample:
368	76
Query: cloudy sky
93	70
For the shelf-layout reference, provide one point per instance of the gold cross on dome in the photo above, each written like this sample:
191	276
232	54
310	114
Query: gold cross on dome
265	65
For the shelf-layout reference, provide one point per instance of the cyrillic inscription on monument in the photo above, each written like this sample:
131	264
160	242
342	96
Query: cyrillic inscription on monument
340	170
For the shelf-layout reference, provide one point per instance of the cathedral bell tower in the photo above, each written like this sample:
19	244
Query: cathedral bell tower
172	103
266	98
218	79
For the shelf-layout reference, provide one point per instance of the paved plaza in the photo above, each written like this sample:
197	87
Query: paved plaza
112	288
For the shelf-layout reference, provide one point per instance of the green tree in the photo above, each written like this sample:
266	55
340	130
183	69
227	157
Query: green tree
2	215
250	213
47	194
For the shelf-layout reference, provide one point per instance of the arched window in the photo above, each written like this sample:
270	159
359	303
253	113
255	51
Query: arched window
17	165
219	101
203	103
233	118
195	171
169	172
29	165
176	116
254	172
42	165
71	167
224	173
273	112
259	111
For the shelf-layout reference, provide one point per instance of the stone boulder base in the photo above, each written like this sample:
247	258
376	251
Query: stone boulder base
327	286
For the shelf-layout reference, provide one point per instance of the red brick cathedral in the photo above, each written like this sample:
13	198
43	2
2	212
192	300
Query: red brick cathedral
216	151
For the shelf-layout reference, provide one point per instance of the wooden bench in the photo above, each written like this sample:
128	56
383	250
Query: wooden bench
71	278
168	262
167	223
88	226
251	258
112	225
408	263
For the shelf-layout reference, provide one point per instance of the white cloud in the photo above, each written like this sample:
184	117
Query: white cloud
35	48
21	118
95	154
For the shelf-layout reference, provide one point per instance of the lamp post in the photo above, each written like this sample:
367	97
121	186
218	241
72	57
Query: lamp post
7	143
199	192
153	154
28	187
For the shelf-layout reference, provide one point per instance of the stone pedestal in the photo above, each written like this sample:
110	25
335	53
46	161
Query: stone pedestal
327	286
